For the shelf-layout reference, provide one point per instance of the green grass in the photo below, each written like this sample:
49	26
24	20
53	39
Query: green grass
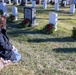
43	54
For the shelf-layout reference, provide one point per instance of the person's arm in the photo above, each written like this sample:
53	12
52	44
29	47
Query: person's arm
4	32
5	45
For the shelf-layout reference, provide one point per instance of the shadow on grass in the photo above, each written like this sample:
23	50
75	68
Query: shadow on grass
15	23
66	19
43	11
63	12
18	32
42	18
65	39
65	50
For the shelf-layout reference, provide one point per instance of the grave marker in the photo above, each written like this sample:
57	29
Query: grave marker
33	3
72	8
30	13
53	18
56	6
3	7
15	12
45	4
64	2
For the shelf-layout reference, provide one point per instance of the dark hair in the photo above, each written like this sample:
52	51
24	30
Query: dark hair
1	12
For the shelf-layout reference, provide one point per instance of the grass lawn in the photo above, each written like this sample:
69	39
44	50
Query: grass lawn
43	54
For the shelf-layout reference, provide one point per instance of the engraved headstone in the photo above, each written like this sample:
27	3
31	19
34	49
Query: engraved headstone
30	13
64	2
67	1
72	8
45	4
3	7
33	3
53	18
15	12
56	1
56	6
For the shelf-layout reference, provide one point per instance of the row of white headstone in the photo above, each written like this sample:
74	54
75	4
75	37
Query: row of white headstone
33	2
3	7
56	5
72	8
53	17
14	1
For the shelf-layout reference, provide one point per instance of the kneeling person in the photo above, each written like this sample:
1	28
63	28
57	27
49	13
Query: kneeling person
7	50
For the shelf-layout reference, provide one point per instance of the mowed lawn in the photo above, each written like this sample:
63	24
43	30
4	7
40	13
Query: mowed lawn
43	54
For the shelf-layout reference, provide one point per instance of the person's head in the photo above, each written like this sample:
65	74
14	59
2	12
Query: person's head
2	22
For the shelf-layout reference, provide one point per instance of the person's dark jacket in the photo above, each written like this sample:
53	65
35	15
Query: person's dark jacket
5	46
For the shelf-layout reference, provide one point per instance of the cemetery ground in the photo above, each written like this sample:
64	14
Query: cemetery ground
43	54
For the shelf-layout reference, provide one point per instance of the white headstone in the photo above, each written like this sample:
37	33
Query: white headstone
56	1
15	12
56	6
34	4
64	2
67	1
53	18
3	7
45	4
26	2
72	8
31	1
